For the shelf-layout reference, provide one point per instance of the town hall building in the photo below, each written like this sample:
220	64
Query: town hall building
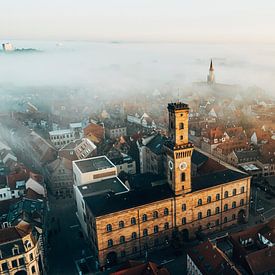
123	223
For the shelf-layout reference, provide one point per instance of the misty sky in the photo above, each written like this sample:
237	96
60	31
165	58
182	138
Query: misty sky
139	20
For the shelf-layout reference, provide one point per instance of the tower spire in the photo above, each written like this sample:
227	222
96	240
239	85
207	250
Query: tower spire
211	66
211	76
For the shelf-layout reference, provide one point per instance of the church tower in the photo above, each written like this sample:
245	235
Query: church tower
178	149
211	76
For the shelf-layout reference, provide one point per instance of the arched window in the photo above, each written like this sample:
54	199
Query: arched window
225	207
199	215
33	269
199	202
166	225
122	239
234	192
181	126
155	214
225	220
233	217
208	212
242	189
241	202
218	197
156	229
183	207
166	212
226	194
233	204
145	232
121	224
182	176
217	210
181	137
183	221
144	217
208	199
134	235
110	243
217	222
133	220
108	227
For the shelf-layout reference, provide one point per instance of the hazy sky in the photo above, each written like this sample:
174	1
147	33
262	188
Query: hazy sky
139	20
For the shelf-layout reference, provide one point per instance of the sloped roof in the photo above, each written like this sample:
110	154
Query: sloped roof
156	144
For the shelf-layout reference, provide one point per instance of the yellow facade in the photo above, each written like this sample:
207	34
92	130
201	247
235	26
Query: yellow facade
186	212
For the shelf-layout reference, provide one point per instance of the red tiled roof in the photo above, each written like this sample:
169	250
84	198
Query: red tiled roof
139	268
31	194
20	176
210	260
261	261
13	233
94	130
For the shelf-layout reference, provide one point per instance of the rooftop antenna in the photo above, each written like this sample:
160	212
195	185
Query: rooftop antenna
178	95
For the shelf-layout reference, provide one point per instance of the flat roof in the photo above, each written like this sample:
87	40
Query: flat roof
216	178
107	202
76	125
112	185
94	164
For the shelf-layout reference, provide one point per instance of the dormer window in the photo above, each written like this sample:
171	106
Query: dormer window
28	244
15	250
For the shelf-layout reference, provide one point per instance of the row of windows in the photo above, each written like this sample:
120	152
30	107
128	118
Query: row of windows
121	224
62	136
16	263
134	234
217	210
218	197
145	247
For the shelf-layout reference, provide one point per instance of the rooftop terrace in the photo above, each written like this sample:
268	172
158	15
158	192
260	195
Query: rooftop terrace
94	164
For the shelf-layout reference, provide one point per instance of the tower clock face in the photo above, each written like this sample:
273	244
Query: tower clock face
183	166
171	164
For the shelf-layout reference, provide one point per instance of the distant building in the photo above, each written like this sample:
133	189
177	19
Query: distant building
7	47
21	250
94	132
211	75
60	138
114	129
78	149
143	120
123	162
152	154
60	176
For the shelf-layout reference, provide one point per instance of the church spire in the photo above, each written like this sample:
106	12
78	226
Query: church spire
211	66
211	76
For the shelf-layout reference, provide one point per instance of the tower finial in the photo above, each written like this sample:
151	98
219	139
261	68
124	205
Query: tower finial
211	66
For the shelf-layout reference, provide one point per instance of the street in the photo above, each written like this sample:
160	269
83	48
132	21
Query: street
66	243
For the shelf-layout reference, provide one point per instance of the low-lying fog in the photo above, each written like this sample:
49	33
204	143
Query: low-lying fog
128	67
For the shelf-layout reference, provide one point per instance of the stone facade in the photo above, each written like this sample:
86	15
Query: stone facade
134	231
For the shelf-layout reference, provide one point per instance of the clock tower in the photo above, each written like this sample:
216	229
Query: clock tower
178	149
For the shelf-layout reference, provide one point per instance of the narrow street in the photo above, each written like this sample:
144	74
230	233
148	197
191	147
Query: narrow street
65	238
